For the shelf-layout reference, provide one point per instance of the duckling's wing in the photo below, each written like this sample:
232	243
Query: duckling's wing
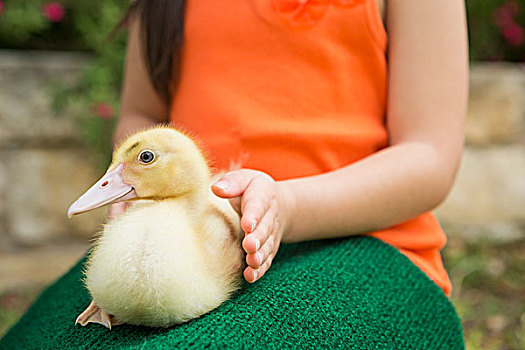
95	314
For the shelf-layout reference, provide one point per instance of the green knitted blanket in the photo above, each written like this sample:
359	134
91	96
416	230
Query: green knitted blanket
356	293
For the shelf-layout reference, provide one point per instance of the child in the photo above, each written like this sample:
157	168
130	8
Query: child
334	138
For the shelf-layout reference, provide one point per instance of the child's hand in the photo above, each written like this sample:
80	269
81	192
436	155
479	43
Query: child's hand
263	205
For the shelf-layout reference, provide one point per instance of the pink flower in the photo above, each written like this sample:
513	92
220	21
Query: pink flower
103	110
1	7
513	34
503	16
513	7
53	11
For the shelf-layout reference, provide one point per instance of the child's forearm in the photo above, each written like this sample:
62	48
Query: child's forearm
387	188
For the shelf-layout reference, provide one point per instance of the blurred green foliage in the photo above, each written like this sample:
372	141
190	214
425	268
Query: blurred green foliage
495	29
58	25
83	26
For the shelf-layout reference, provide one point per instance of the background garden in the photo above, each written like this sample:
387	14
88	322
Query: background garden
488	274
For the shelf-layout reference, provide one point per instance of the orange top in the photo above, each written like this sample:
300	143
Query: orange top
294	88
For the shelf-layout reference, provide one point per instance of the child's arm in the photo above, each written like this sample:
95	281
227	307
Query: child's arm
141	107
425	116
427	99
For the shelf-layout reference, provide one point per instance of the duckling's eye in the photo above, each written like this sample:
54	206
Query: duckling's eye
146	157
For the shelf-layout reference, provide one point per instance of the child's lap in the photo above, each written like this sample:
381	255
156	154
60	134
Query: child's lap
352	293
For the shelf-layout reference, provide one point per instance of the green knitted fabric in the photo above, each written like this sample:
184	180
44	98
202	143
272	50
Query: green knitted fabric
356	293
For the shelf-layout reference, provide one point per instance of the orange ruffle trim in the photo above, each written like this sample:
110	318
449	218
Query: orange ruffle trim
306	13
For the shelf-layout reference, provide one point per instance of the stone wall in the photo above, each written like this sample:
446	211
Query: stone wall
44	167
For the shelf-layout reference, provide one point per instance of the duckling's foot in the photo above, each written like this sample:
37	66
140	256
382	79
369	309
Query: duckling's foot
95	314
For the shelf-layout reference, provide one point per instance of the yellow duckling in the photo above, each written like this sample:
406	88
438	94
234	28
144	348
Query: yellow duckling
176	253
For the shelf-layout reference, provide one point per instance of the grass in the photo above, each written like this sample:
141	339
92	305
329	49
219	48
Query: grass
489	291
489	294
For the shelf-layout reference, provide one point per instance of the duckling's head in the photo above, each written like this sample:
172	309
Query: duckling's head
154	164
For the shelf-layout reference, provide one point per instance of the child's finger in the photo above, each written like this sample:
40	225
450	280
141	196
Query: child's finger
252	214
255	240
251	275
233	183
255	204
261	256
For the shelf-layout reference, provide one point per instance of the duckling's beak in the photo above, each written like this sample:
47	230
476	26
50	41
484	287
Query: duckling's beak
111	188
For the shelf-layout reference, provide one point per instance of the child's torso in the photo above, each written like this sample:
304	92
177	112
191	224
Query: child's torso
293	88
292	97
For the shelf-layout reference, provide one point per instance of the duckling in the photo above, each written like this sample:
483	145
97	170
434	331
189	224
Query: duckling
176	253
